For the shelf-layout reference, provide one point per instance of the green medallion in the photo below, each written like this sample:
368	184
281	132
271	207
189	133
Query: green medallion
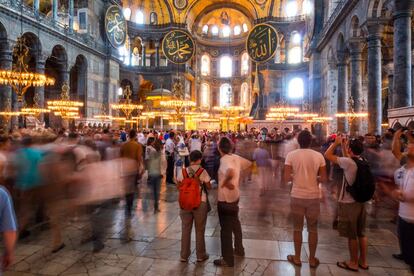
115	26
178	46
262	43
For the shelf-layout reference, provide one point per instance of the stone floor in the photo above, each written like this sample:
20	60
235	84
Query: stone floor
155	245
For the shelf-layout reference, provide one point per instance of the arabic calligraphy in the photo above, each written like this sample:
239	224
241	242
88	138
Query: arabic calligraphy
178	46
262	43
115	26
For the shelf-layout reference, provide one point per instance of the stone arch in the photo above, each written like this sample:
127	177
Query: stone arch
79	81
330	56
378	9
355	29
340	47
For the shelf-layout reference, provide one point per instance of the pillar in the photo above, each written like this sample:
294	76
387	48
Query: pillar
6	60
71	14
402	94
40	90
287	44
356	82
332	94
390	90
144	54
36	6
55	9
342	91
374	80
157	54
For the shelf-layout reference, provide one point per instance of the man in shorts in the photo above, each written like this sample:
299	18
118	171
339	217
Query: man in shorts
351	214
306	168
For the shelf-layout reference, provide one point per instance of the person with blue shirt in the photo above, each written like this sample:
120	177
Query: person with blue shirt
8	227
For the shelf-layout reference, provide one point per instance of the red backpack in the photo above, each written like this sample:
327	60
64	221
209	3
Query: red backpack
190	191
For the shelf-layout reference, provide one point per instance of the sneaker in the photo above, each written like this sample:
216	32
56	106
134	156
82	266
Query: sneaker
183	260
239	253
200	260
398	256
221	262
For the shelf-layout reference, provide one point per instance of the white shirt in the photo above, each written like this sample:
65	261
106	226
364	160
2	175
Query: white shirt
305	165
350	170
169	146
404	178
229	161
204	178
195	144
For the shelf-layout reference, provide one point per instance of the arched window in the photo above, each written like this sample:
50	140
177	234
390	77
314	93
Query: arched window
295	50
292	8
237	30
139	17
307	7
205	65
135	57
153	18
226	31
244	64
124	53
244	95
226	95
205	29
127	13
226	67
214	30
205	95
296	88
245	28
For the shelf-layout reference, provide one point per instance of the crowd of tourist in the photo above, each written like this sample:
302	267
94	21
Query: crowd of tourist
49	175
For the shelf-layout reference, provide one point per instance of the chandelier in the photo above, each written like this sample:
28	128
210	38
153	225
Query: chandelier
65	107
127	107
35	110
282	111
103	115
19	78
352	115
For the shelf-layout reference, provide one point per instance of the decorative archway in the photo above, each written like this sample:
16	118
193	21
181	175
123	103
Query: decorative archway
79	82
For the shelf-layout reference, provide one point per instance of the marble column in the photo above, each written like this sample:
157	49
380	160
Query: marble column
356	82
402	95
71	15
342	91
287	44
374	79
157	54
40	90
36	6
144	55
55	10
390	90
6	61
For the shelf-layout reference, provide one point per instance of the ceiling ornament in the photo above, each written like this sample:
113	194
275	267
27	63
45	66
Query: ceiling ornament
180	4
262	43
115	26
178	46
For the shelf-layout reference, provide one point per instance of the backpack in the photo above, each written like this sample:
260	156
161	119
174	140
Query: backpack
189	191
363	188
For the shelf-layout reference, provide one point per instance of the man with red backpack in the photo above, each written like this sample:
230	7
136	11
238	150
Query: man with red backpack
193	183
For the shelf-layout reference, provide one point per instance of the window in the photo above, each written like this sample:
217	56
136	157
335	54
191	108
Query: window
291	8
307	7
124	53
244	64
244	95
296	88
226	31
205	29
226	97
127	13
226	67
153	18
245	28
135	56
139	17
205	65
296	38
205	95
295	50
82	17
237	30
214	30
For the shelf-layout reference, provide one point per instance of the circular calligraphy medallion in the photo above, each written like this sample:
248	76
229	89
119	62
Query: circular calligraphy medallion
115	26
178	46
180	4
262	43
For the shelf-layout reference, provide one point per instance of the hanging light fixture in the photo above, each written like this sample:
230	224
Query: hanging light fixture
35	110
127	107
65	107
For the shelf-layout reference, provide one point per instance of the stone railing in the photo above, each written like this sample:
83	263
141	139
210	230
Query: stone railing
170	68
40	19
286	19
328	24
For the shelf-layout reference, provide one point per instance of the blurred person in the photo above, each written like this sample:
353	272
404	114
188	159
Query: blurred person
305	168
351	213
262	158
404	194
170	152
211	158
154	166
227	204
132	150
194	143
197	216
8	228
